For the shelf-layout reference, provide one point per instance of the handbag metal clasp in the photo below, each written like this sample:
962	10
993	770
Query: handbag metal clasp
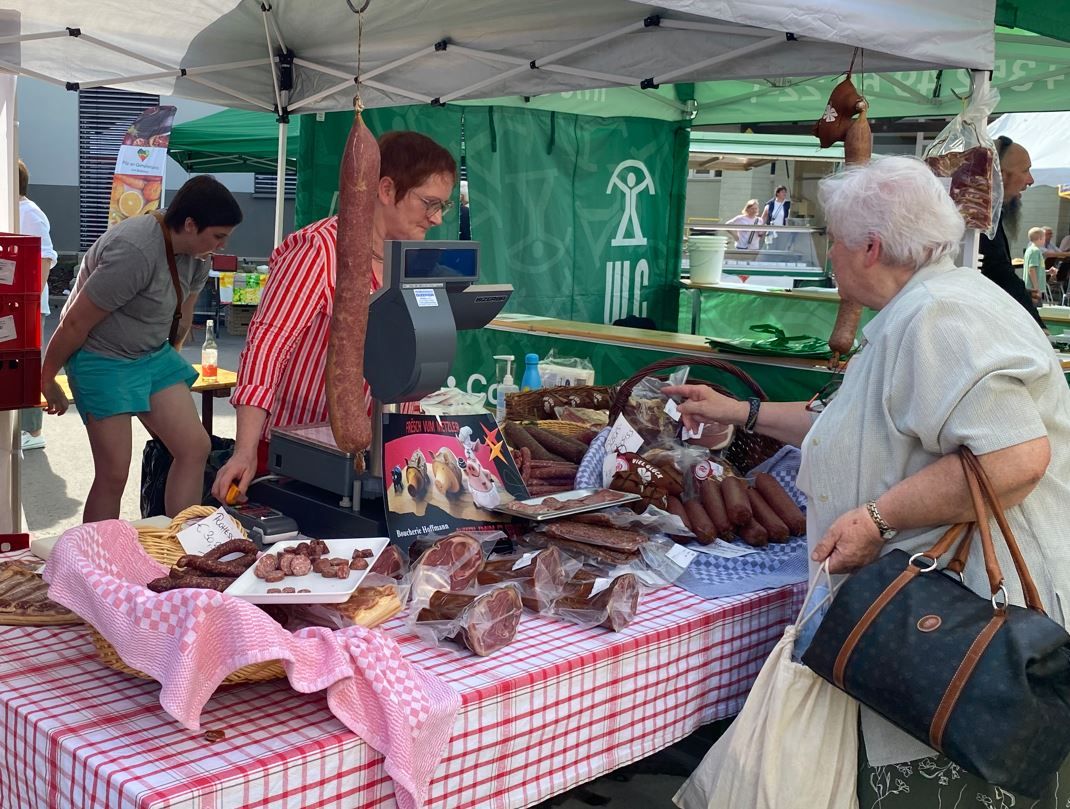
923	556
995	595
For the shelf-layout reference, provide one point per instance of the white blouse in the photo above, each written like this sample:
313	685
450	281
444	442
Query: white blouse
950	361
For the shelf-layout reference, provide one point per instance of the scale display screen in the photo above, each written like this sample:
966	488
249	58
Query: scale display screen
440	264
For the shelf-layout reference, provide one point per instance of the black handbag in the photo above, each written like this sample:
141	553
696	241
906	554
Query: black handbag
983	682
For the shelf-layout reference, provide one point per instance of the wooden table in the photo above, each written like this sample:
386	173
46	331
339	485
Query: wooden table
210	389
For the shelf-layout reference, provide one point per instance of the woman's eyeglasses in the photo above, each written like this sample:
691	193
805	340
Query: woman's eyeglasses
436	206
819	401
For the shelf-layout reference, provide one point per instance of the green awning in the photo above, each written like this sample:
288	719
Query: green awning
232	140
722	150
1048	17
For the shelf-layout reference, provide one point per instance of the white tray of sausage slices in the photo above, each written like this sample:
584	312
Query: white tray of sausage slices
318	590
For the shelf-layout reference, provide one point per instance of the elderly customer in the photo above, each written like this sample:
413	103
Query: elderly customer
945	363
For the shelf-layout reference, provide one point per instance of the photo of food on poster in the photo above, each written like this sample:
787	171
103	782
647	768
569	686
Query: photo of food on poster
444	473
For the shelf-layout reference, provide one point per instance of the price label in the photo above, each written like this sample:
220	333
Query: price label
623	437
599	585
525	560
671	410
7	271
213	530
681	555
726	550
7	328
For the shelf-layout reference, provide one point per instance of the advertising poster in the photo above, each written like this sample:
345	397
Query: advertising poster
445	473
139	168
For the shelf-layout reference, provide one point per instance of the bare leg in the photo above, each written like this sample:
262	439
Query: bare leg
173	419
110	441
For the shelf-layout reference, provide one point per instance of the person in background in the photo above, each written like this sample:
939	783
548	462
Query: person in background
465	215
880	465
114	338
281	370
1014	165
1033	265
747	239
1048	246
776	212
33	222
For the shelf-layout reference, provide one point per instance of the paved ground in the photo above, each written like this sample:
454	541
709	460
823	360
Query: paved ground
55	481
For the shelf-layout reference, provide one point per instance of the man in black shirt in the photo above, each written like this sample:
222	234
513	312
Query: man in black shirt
996	265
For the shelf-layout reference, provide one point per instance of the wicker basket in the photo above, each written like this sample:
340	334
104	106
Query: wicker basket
542	403
747	449
161	545
568	429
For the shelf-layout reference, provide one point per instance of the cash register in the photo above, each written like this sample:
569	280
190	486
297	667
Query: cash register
429	292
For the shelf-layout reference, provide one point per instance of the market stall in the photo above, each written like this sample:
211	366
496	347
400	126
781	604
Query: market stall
596	658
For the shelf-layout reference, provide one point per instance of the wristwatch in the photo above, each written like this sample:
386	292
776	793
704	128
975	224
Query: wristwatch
886	531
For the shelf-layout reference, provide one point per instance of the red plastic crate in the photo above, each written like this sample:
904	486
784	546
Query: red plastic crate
20	264
20	321
20	379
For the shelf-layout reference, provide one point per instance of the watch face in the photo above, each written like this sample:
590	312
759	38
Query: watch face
889	534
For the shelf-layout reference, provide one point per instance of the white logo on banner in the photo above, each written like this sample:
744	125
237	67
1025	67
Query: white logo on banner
627	182
625	286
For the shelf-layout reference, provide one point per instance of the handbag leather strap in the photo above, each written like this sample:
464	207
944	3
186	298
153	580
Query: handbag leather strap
172	338
1029	588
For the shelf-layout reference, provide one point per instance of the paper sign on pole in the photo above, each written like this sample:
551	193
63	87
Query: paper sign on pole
139	168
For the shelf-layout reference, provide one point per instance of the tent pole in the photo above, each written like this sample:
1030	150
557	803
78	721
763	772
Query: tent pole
971	242
280	184
10	434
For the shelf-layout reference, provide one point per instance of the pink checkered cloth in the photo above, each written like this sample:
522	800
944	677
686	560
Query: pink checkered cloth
189	640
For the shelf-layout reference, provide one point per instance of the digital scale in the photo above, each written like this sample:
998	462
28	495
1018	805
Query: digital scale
263	524
429	292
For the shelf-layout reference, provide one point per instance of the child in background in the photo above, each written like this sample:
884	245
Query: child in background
1033	268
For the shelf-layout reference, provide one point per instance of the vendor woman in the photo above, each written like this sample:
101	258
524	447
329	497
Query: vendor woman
118	338
281	370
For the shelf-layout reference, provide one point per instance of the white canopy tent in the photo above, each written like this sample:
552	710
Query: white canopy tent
295	56
1044	135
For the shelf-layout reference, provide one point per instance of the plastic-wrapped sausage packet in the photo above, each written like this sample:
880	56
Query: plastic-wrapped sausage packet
482	621
595	600
966	155
449	562
540	574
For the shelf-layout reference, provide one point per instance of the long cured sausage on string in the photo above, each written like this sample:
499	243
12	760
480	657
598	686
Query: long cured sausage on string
357	187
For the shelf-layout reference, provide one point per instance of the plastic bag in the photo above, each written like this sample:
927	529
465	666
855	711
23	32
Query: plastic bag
156	464
645	410
483	621
453	402
378	599
555	370
540	574
966	155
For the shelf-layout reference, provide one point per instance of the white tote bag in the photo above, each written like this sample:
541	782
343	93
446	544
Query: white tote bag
793	746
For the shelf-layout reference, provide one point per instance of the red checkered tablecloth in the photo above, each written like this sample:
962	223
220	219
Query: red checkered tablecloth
558	707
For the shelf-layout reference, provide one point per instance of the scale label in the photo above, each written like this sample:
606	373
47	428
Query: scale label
425	297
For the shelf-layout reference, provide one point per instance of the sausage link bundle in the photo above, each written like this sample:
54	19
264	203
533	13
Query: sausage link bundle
357	186
767	518
780	501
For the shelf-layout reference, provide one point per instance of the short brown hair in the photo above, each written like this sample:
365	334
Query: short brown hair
409	159
24	179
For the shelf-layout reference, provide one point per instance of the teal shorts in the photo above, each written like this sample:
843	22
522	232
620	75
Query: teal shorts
109	386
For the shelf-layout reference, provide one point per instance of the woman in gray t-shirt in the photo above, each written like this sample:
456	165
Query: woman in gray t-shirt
114	335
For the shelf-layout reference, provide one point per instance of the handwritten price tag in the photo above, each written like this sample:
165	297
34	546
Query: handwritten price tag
7	271
213	530
7	329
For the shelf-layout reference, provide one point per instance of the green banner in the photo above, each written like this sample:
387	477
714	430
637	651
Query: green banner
323	137
583	216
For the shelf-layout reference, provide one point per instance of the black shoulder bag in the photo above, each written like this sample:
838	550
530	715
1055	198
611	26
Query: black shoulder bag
983	682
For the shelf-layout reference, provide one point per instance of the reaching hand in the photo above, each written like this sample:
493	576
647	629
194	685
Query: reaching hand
851	542
704	405
237	472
